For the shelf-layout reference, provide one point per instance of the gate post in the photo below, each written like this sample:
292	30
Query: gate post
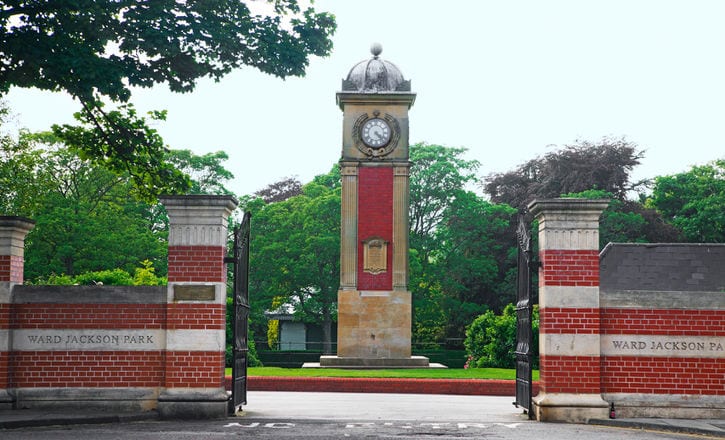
569	341
196	307
12	252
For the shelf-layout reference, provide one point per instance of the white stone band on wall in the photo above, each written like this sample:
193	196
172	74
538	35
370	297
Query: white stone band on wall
114	340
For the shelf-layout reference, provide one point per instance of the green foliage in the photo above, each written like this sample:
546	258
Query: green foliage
207	172
252	357
295	252
107	48
491	339
115	277
146	276
123	143
143	276
694	201
436	175
99	51
86	221
626	221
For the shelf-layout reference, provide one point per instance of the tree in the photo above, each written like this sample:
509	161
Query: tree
87	221
295	252
694	201
206	172
281	190
124	144
19	183
100	50
90	48
474	259
605	166
436	174
628	221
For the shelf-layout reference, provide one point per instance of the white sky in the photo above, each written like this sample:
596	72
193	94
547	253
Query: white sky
506	79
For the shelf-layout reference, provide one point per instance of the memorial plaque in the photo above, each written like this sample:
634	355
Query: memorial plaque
375	256
194	293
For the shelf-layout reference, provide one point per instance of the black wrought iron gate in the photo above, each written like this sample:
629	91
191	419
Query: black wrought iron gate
240	317
524	306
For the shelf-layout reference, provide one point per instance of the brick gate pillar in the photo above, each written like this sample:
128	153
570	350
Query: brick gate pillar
196	307
569	329
12	250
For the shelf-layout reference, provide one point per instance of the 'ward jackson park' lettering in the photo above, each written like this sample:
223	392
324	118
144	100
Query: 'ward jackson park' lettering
667	345
91	339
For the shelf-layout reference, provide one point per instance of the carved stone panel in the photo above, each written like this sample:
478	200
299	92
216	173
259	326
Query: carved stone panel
375	255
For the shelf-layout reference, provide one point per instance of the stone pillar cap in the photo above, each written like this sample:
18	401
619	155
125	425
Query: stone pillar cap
561	204
10	221
224	201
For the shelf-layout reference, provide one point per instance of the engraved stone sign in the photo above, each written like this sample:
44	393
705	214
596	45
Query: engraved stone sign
375	256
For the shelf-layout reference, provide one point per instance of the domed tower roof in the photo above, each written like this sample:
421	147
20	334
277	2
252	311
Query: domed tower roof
375	75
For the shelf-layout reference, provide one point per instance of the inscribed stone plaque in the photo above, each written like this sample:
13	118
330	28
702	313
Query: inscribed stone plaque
375	256
194	293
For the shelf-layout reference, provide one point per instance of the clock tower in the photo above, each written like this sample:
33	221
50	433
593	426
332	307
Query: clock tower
374	302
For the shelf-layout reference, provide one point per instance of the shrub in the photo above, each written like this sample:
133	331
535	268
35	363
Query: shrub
491	339
115	277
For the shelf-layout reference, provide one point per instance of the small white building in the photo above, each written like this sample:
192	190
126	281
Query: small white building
297	335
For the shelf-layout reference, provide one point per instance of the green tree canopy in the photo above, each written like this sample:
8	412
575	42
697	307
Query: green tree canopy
694	201
103	48
628	221
98	50
295	252
436	175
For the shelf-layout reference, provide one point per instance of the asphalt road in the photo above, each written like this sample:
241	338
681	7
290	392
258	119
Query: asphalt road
351	416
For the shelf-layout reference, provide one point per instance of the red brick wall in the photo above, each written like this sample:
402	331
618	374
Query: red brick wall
11	268
663	375
570	374
569	267
195	316
663	322
375	219
42	369
190	369
87	368
197	264
569	320
90	316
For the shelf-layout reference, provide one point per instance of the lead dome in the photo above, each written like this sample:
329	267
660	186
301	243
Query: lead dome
375	75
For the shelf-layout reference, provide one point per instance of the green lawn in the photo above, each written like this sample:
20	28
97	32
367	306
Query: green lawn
446	373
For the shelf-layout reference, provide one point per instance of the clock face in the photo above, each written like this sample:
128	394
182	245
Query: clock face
375	133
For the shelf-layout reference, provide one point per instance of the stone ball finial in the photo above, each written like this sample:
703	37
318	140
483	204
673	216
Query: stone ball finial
376	49
375	75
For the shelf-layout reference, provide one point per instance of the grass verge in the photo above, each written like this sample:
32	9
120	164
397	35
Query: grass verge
446	373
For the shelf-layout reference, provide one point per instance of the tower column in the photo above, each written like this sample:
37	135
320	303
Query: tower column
401	225
348	239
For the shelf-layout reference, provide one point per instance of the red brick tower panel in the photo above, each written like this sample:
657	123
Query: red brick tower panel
375	219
